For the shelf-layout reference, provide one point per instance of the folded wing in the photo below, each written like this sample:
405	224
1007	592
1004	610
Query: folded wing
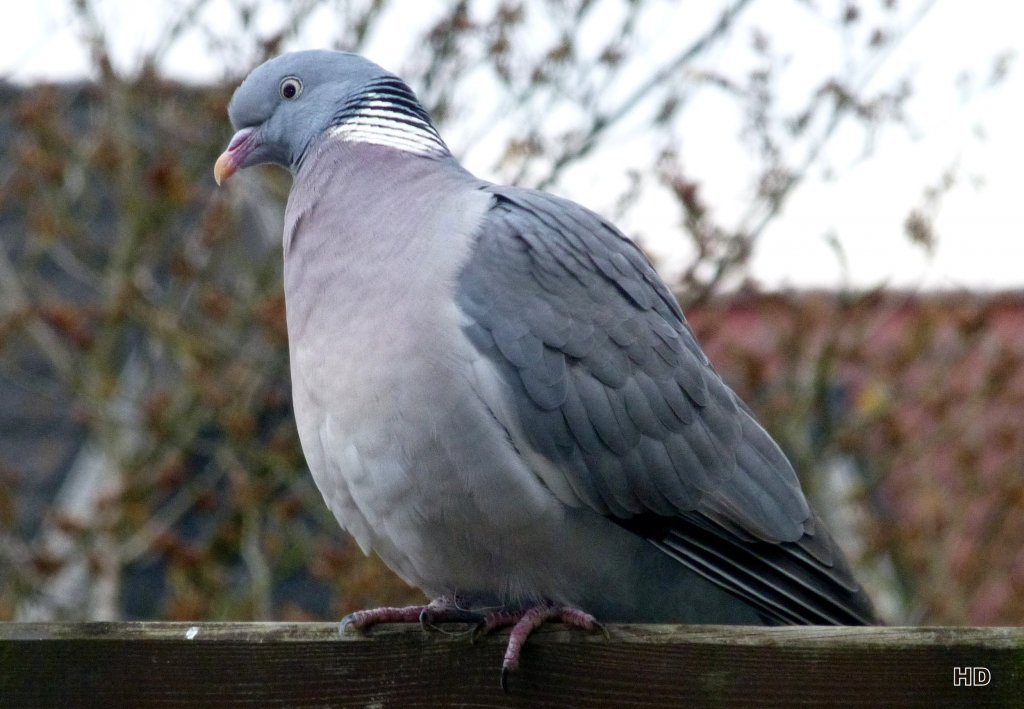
610	391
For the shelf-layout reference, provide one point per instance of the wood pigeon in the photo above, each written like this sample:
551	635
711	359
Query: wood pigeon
497	394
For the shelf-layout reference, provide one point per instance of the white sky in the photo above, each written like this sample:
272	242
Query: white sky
980	227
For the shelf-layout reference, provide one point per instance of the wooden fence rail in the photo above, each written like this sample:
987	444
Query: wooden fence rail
308	664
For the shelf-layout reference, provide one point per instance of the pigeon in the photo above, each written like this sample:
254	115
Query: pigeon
497	394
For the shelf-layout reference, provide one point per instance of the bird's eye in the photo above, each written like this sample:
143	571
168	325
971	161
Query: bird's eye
291	88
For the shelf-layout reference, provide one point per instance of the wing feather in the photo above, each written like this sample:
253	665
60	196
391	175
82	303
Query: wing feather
608	385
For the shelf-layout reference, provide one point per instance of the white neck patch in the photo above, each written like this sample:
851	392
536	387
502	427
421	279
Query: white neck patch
380	120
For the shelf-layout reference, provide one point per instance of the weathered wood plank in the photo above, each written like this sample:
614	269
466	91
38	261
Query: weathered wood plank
300	665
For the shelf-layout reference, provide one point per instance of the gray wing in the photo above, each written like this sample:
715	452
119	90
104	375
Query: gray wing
611	389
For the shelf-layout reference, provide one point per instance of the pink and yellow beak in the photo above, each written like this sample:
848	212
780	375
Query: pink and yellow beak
233	159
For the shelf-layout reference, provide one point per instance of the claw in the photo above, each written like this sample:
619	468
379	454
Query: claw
346	623
449	610
525	622
440	610
361	620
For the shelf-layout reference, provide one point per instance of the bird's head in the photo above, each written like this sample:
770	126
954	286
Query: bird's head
287	103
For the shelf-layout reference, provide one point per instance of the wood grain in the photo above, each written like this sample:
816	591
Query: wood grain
309	665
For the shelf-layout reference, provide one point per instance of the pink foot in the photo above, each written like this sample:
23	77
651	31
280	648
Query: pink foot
440	610
524	622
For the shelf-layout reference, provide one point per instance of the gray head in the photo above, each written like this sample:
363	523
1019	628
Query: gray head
288	103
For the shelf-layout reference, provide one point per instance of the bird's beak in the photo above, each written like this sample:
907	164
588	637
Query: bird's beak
233	158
